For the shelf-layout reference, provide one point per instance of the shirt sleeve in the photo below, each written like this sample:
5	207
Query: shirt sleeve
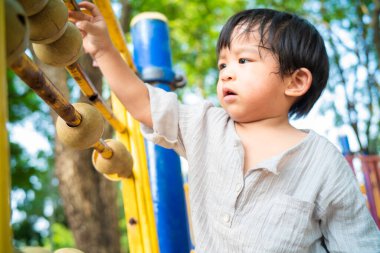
173	122
347	224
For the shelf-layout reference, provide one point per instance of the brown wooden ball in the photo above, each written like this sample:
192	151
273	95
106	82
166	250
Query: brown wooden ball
87	133
34	250
121	162
32	7
50	23
68	250
17	31
62	52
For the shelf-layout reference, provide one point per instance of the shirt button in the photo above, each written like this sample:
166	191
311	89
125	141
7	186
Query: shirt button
226	218
238	187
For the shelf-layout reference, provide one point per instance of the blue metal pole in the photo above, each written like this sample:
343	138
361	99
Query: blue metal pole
152	57
343	140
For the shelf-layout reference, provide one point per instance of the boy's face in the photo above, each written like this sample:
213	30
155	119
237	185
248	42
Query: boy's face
249	86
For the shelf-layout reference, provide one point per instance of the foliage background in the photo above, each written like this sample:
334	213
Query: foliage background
351	31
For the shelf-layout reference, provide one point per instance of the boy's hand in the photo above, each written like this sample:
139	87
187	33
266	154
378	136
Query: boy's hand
96	40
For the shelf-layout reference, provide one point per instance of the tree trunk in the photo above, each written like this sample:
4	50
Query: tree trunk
89	199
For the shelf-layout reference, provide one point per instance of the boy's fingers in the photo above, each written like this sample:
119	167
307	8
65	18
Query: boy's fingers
86	26
78	15
91	7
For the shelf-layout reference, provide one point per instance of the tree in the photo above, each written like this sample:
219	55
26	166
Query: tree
353	38
89	199
32	187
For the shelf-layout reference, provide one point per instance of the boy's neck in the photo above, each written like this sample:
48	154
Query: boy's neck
266	138
270	125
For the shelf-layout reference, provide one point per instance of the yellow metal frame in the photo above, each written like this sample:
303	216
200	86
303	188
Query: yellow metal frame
142	194
138	204
5	182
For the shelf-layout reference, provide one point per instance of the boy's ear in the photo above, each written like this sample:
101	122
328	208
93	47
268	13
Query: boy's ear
300	82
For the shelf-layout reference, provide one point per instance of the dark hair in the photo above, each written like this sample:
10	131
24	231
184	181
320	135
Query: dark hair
294	41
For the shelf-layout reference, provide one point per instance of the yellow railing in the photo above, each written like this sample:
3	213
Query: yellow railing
141	178
5	186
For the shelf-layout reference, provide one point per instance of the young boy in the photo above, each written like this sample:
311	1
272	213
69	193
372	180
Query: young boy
257	184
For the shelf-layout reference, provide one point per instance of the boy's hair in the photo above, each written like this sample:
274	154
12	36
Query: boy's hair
294	41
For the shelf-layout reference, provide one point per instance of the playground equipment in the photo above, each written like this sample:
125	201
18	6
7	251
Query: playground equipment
370	167
80	126
44	32
152	55
32	7
5	229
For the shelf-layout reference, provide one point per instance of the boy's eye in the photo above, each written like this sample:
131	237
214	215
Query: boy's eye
222	66
243	60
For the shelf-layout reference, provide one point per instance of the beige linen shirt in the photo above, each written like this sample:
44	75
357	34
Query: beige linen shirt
298	201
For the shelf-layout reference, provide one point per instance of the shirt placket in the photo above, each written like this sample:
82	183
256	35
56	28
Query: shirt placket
229	209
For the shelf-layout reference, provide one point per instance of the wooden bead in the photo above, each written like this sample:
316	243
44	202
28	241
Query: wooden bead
121	162
50	23
17	31
68	250
34	250
87	133
32	7
62	52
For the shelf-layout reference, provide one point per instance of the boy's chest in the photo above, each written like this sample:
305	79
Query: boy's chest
250	215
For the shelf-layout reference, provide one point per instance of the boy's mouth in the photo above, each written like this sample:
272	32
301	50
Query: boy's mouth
228	92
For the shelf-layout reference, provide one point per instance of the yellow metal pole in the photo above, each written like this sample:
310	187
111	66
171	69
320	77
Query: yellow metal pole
5	183
103	149
187	198
90	91
131	208
144	198
88	88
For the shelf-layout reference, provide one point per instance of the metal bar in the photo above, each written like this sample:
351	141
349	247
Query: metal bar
29	72
102	148
89	90
71	5
5	178
129	188
33	76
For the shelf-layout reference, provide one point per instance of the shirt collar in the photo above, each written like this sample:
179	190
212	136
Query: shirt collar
273	164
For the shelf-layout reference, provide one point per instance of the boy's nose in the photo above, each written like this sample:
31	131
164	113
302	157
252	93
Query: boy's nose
227	75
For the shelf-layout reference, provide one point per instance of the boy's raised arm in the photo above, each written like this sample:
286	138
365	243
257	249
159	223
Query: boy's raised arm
130	90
